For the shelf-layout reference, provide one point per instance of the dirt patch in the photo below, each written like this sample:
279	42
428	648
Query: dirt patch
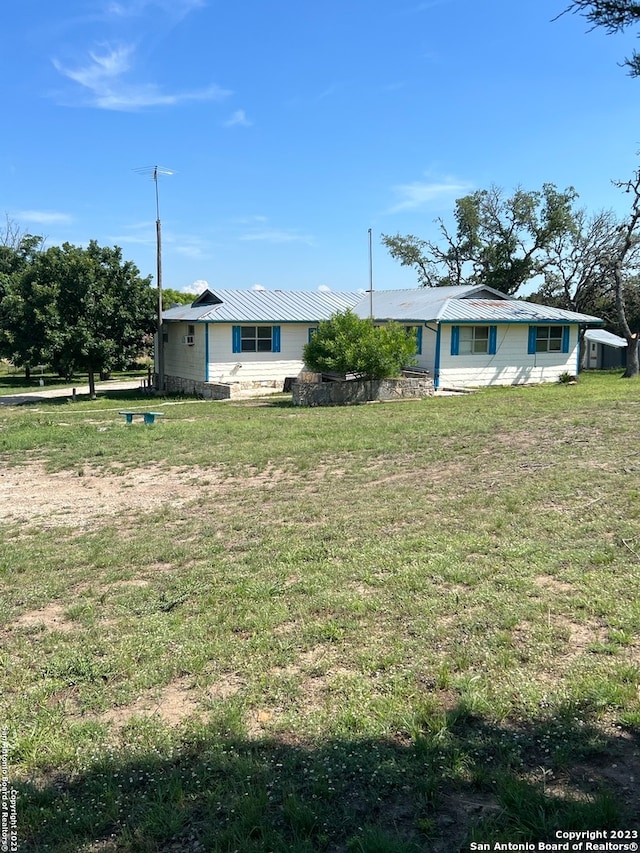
79	499
49	618
172	705
548	582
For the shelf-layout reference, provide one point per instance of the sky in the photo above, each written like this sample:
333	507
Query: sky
292	130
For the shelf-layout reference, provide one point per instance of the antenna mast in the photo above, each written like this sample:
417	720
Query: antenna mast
154	172
370	276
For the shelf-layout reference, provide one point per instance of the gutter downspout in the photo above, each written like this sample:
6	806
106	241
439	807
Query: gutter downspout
436	367
206	352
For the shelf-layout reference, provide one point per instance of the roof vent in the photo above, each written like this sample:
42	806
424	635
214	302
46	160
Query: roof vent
206	298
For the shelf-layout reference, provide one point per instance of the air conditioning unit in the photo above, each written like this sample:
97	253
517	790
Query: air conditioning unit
189	340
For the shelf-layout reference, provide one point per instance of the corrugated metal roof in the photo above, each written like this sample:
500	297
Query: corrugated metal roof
465	304
266	306
600	336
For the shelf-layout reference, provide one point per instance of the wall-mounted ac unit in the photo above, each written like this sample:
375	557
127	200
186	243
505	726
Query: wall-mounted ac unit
189	340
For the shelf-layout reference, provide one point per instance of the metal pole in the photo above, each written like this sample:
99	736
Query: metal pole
370	277
160	346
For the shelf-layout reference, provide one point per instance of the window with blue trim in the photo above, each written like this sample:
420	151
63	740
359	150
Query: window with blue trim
416	331
256	338
548	339
473	340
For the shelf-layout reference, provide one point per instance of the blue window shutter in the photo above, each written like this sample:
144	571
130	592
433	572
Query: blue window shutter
419	340
235	339
493	337
275	339
532	340
565	339
455	340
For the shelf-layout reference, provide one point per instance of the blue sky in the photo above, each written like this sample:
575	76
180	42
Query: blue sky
294	128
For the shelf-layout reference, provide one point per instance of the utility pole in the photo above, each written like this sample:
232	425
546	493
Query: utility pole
370	276
155	172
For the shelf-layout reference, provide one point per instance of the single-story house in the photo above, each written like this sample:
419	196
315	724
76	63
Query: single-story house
466	336
239	339
605	350
471	335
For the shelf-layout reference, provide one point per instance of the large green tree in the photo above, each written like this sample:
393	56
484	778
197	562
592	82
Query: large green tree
79	309
499	241
615	16
348	344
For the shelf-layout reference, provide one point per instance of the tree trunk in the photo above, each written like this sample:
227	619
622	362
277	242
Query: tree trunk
633	366
27	372
583	349
92	384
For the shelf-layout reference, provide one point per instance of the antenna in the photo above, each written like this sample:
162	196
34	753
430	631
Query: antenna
370	276
154	172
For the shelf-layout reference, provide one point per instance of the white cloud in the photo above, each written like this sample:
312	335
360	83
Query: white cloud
238	119
275	235
43	217
420	194
257	288
198	286
102	79
324	288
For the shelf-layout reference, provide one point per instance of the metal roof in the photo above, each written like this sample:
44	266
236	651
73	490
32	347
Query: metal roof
600	336
265	306
452	304
464	304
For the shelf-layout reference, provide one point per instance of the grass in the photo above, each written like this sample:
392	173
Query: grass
252	627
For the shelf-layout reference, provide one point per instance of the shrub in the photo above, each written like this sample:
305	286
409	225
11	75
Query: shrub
348	344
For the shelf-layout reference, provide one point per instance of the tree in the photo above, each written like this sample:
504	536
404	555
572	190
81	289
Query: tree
499	242
615	16
171	296
629	239
578	270
348	344
80	309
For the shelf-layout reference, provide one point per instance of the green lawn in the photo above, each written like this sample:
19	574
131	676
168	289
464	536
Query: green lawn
382	628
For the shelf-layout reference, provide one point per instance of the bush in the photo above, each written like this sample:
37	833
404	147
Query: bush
347	344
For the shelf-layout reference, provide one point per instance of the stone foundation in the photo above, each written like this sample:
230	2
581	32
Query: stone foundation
354	391
218	390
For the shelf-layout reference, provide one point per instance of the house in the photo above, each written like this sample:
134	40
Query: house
471	335
466	336
231	340
605	350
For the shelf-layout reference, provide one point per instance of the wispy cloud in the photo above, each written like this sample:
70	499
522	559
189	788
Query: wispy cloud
424	193
135	8
43	217
277	235
103	81
238	119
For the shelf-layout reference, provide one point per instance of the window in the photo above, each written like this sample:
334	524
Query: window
473	340
548	339
417	332
191	330
256	339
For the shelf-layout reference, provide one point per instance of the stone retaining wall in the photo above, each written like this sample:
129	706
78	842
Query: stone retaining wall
217	390
354	391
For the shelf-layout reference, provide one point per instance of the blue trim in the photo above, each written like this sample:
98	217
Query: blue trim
275	339
419	340
493	339
455	340
565	339
206	352
436	367
531	349
236	342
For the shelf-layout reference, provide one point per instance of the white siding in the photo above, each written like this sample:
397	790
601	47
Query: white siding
187	362
227	366
427	359
511	364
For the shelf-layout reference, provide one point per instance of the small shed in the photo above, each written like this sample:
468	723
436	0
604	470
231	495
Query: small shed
605	351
